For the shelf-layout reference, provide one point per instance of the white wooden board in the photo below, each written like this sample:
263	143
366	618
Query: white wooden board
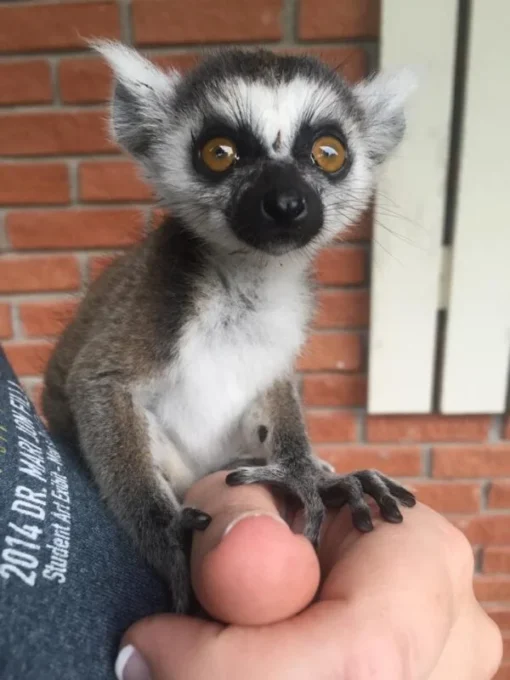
410	209
478	327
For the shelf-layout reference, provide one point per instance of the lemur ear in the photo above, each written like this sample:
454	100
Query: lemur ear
141	97
382	99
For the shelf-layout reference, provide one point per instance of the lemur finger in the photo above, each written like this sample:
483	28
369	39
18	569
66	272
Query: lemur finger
348	490
407	498
245	462
301	487
314	513
258	475
376	486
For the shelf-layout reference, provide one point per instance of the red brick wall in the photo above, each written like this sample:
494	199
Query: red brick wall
68	202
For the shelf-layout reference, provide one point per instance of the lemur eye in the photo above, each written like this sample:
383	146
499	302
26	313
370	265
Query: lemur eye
219	154
329	154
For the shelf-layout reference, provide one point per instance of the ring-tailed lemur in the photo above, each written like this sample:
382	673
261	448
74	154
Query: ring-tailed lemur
180	358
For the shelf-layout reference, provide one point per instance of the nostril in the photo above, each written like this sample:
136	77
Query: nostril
283	205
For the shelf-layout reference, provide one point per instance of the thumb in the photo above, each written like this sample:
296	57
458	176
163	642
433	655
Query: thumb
164	647
248	567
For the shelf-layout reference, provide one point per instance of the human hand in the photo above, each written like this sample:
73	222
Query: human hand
395	604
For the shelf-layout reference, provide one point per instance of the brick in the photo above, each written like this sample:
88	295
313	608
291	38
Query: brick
361	231
427	428
25	82
488	460
342	309
28	358
54	26
332	351
46	318
499	495
331	426
103	181
181	61
84	80
500	614
205	21
329	19
157	217
97	263
340	266
449	497
330	389
38	274
58	132
350	62
74	228
496	559
38	183
5	321
487	529
492	588
398	461
88	80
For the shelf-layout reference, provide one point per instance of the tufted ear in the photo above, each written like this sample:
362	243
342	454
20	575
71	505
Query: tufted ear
141	99
382	100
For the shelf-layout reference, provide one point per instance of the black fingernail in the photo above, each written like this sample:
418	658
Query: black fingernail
202	521
362	522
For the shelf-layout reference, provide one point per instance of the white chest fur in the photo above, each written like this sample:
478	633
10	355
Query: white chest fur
241	339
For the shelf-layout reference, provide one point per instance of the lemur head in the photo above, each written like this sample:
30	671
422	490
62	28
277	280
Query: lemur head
255	150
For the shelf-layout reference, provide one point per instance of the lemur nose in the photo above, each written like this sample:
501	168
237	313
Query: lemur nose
283	206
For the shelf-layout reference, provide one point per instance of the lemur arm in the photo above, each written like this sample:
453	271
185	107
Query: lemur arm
276	422
116	437
292	467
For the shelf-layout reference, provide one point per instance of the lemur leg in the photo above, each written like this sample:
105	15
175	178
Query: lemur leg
116	436
292	468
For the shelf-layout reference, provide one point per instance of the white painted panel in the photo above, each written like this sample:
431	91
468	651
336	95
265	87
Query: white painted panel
478	327
410	210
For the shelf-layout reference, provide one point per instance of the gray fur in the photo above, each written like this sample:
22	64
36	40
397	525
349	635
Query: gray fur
179	361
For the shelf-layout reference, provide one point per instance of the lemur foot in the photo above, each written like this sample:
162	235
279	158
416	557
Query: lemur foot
318	489
166	544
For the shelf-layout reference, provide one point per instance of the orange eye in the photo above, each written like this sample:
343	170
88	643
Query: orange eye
219	154
329	154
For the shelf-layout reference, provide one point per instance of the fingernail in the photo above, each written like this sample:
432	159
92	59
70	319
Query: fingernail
246	515
130	665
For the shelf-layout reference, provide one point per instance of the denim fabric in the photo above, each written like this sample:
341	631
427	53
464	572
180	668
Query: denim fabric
70	581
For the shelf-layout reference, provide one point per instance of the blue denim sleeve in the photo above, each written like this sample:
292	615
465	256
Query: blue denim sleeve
70	581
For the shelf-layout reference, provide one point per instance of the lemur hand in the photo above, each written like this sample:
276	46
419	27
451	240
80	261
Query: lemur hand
396	604
316	488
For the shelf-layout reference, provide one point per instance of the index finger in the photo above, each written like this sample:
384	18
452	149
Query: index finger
412	578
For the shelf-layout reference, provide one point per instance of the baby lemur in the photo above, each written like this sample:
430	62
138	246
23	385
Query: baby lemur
180	359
